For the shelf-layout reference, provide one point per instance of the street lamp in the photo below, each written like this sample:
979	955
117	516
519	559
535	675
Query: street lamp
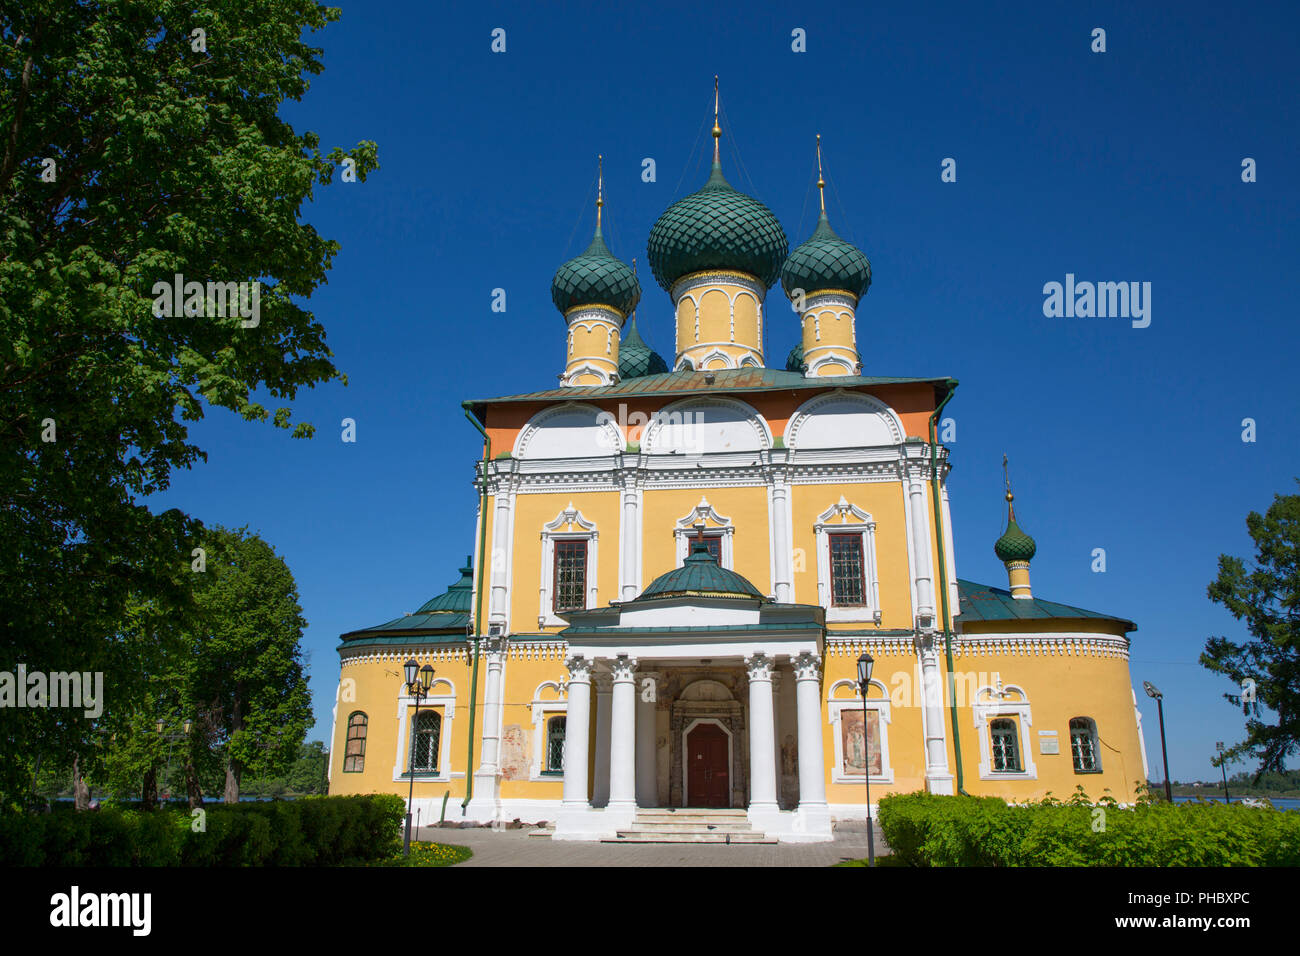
864	682
1218	745
1150	688
418	681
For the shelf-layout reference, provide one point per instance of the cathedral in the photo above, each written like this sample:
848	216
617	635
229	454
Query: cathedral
715	599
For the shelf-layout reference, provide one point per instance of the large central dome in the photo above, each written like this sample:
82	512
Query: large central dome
717	227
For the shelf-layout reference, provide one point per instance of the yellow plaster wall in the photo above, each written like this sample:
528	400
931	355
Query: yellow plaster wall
747	509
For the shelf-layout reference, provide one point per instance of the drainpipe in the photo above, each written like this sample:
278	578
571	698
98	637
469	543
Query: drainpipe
478	609
943	581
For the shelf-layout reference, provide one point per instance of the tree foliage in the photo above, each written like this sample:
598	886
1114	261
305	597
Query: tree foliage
1265	596
132	149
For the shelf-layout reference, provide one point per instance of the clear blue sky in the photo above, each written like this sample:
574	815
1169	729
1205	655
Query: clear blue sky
1117	166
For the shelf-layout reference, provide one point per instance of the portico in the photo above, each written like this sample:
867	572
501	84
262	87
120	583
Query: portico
693	667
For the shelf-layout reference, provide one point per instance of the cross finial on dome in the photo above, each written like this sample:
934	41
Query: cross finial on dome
717	130
1006	477
821	182
600	187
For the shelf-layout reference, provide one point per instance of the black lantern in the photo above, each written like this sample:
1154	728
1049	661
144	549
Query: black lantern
865	663
412	667
426	677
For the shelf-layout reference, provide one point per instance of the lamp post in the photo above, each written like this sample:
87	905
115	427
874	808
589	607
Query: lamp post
418	681
864	682
1218	745
1160	707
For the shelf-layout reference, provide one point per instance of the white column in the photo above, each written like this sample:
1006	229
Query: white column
647	783
813	818
762	735
629	568
600	786
949	553
498	560
782	557
938	778
576	732
494	650
921	545
622	736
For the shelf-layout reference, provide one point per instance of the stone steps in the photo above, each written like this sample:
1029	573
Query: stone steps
691	825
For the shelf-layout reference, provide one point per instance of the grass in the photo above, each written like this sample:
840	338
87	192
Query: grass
430	854
880	861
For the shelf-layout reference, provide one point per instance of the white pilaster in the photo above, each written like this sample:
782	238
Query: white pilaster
762	747
499	559
647	783
813	818
600	786
782	557
920	533
630	563
938	778
484	804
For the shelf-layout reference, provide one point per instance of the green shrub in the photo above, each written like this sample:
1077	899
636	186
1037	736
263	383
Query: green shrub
927	830
319	831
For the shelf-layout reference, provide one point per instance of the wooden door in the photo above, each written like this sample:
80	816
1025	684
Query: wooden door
708	778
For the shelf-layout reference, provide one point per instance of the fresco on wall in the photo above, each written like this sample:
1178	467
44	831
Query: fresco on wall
854	741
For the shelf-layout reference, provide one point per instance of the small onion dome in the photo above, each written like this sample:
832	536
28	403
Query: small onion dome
794	361
826	261
701	576
596	278
1014	545
635	358
456	597
717	227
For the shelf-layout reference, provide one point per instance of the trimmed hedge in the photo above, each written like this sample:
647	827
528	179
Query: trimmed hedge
313	831
927	830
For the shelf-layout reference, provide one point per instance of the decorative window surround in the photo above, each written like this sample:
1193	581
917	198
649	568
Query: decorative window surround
852	519
1088	731
446	704
992	702
544	708
835	706
570	525
721	526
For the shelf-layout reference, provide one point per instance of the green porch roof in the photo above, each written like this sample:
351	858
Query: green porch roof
440	620
686	382
700	576
981	602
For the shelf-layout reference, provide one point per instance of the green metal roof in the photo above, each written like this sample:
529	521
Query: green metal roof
717	227
635	358
826	261
700	576
595	278
981	602
687	382
445	616
794	361
1014	545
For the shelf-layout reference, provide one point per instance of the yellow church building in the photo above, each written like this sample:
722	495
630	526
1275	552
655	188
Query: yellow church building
678	567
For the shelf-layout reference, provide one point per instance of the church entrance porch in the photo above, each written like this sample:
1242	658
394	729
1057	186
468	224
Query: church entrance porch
667	734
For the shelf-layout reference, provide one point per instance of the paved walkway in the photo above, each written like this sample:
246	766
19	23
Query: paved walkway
517	848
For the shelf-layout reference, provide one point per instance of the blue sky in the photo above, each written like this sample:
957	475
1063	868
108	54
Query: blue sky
1115	166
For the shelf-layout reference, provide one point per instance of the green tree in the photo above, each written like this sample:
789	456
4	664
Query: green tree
248	680
133	148
1265	596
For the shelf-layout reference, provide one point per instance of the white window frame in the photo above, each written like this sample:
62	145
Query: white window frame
992	702
1096	744
835	707
684	530
544	708
568	525
446	703
851	519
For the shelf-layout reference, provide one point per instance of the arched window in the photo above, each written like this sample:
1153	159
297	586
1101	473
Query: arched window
555	745
427	733
354	753
1006	749
1083	745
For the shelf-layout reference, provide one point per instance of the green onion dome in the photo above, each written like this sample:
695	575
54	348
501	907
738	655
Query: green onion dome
635	358
1014	545
826	261
701	576
596	278
717	227
794	361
